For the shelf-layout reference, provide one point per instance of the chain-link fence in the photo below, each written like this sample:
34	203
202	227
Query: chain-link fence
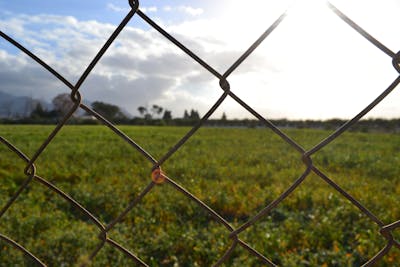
157	175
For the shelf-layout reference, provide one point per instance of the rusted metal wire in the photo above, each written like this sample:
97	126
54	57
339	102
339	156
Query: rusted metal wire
158	177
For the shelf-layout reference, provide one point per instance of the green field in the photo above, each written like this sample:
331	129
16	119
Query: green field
236	172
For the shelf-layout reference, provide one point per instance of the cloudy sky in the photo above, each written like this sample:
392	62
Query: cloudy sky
313	66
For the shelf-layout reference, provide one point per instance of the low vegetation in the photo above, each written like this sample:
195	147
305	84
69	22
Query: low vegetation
237	172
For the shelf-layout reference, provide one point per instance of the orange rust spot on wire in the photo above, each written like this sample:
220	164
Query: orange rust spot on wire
158	176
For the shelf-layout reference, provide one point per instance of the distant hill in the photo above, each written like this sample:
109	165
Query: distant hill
22	106
19	106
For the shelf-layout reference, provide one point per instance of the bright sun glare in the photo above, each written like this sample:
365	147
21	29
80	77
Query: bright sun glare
244	24
299	59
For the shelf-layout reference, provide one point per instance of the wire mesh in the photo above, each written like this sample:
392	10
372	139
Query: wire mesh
159	177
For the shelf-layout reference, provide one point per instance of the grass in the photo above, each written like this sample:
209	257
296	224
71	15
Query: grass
237	172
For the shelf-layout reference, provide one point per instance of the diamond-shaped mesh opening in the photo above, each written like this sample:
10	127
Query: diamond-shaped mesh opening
154	73
235	171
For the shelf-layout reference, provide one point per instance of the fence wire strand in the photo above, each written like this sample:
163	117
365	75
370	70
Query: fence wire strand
386	230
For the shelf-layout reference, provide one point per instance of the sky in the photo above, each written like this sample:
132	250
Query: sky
313	66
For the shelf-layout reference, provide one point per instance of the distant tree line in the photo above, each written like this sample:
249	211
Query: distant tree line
364	125
157	115
62	104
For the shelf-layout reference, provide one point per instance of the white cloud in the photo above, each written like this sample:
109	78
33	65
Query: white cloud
149	9
116	8
167	8
192	11
140	68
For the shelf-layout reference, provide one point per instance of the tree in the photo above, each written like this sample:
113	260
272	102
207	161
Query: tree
186	115
142	110
155	109
62	103
167	115
149	114
38	112
223	118
108	110
194	115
